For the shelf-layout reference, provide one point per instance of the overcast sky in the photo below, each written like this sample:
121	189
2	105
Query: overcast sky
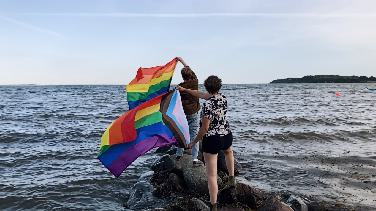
104	42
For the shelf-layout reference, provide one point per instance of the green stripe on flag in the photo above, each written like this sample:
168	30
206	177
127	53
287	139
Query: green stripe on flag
134	96
149	120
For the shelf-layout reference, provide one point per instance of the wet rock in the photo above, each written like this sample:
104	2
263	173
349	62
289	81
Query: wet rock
297	203
141	196
171	151
146	176
160	186
163	150
165	163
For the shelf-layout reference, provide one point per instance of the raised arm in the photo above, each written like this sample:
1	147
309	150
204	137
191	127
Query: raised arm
182	61
196	93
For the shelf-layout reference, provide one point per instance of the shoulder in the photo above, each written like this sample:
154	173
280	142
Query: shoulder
209	102
191	84
222	96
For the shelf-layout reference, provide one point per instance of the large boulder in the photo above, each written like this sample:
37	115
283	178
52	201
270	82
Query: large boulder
244	194
194	176
185	176
166	183
165	163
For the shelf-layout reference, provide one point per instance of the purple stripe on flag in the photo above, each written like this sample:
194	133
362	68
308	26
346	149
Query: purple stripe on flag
130	155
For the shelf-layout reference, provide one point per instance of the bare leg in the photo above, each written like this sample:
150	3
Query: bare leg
229	156
211	172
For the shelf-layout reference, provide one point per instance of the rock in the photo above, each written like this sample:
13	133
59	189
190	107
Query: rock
186	176
175	183
285	207
249	196
231	208
296	203
221	164
227	196
193	204
141	196
194	176
165	163
274	203
166	185
328	206
171	151
197	204
163	150
146	176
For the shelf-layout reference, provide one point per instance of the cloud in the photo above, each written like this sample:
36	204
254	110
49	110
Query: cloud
32	27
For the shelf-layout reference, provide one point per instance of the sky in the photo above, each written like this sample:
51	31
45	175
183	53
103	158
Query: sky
253	41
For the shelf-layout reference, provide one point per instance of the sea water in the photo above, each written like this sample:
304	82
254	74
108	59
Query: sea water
299	138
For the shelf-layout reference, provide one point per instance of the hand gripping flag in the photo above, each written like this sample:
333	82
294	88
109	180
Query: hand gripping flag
157	122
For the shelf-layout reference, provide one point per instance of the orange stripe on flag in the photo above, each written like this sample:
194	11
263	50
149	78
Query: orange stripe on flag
123	129
144	75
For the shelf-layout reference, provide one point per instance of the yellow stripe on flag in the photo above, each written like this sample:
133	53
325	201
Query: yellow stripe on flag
106	137
154	81
147	111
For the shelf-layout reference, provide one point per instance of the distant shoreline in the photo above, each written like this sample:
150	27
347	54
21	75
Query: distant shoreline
327	79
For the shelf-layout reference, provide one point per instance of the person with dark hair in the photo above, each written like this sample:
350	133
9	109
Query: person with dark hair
191	106
215	133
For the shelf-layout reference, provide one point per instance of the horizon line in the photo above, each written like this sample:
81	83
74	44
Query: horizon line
266	83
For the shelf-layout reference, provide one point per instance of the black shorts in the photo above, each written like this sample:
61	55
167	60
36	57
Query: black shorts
213	144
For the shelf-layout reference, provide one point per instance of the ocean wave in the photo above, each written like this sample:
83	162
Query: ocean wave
308	136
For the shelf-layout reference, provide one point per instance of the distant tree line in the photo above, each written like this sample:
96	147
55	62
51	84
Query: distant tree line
328	79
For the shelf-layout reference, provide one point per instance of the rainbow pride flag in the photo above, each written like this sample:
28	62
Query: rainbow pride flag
149	83
158	122
156	119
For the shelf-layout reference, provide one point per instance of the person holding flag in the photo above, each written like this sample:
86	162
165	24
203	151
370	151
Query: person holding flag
215	133
191	106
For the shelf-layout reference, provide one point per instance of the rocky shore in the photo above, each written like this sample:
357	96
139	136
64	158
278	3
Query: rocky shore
184	187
